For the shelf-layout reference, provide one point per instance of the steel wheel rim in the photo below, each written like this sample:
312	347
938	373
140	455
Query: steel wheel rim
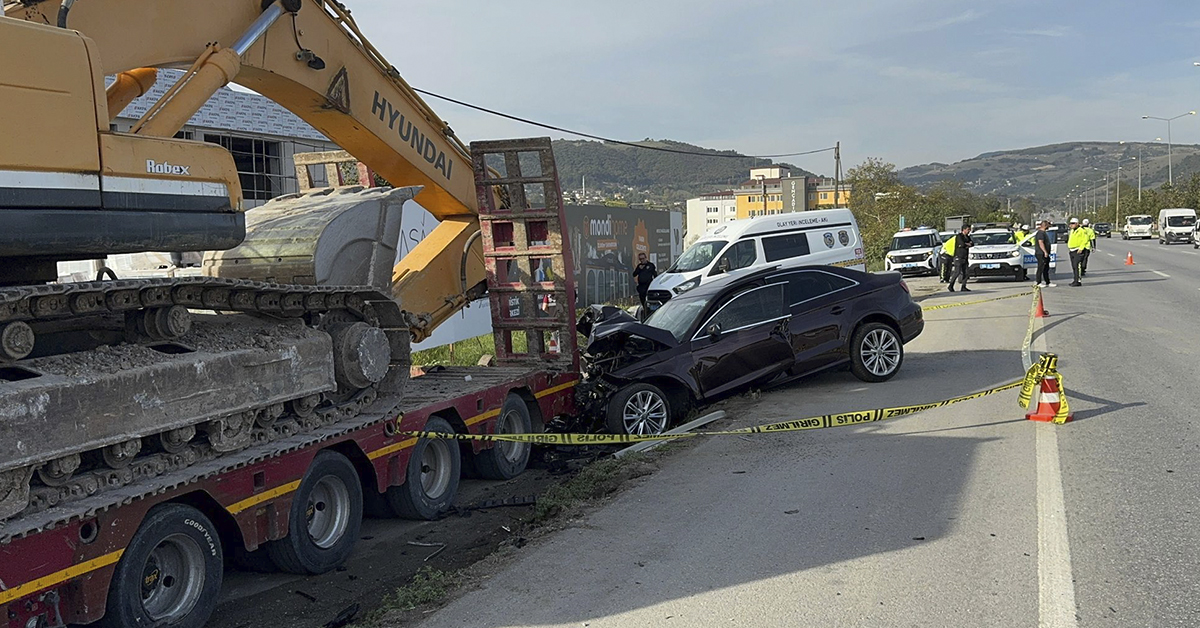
328	511
172	578
510	423
644	413
435	468
880	352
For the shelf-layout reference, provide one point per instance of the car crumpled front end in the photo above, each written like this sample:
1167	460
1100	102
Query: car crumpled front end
616	344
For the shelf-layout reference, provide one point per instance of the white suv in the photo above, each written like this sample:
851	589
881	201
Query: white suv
915	251
995	254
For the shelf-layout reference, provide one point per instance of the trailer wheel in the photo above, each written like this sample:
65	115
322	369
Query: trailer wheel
325	518
170	574
504	460
431	482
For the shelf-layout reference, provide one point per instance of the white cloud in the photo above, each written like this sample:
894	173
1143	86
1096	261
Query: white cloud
1053	31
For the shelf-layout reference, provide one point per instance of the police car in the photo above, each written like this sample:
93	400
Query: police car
915	251
995	253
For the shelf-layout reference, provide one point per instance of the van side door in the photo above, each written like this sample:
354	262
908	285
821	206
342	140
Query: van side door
751	341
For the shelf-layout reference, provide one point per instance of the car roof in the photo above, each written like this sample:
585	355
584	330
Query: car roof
921	231
994	230
734	278
780	222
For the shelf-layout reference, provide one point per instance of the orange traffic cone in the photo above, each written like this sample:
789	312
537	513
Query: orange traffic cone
1041	309
1129	259
1050	398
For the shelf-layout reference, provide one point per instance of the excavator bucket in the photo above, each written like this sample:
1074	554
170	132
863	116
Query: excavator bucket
332	237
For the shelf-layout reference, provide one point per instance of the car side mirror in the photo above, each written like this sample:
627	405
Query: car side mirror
714	331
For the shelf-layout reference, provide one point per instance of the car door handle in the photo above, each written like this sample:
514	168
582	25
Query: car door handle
837	309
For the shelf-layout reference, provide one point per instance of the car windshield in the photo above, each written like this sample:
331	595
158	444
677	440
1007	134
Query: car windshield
699	256
1140	220
917	241
677	315
1181	221
992	238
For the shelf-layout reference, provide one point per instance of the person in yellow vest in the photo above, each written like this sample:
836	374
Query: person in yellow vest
947	259
1020	233
1077	243
1091	246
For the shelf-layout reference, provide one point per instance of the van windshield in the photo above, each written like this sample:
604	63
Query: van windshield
916	241
699	256
1181	221
1140	220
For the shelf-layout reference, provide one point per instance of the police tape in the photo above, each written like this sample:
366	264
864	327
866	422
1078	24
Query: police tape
930	308
797	425
1026	354
1046	367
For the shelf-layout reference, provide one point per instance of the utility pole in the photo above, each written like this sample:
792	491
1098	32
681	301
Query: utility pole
837	174
764	193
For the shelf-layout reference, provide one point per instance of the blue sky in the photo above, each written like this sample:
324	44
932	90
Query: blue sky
910	81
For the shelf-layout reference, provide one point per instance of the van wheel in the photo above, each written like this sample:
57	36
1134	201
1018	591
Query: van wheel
876	353
506	460
325	518
431	481
170	574
639	409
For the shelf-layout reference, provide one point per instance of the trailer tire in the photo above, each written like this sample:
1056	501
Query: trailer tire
431	481
325	518
155	582
505	461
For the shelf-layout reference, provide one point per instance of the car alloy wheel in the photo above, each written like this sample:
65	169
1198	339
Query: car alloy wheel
645	412
880	351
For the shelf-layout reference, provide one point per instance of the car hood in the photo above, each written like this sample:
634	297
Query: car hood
993	248
608	328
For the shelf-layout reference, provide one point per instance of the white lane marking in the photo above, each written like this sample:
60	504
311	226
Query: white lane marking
1161	274
1056	590
1110	255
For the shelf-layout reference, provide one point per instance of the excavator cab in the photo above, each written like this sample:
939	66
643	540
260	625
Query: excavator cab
71	189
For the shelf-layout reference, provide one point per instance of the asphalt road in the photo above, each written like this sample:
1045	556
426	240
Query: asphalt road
965	515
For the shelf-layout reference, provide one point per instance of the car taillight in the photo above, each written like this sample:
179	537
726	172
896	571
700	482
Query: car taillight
905	286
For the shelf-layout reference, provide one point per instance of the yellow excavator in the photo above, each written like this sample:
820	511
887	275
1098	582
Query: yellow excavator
296	318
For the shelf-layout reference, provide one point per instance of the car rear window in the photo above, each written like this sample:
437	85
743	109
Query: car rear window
810	284
788	246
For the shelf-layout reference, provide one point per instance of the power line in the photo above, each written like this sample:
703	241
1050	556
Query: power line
610	140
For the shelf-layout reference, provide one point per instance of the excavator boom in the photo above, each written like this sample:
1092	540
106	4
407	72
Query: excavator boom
310	57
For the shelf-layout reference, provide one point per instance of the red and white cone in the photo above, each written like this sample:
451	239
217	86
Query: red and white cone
1049	401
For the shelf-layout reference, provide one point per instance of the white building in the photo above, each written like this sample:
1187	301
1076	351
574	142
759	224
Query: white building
708	211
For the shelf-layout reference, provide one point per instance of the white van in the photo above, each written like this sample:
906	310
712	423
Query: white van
1137	226
1176	225
823	237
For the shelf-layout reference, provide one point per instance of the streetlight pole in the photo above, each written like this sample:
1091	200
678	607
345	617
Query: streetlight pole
1118	220
1170	171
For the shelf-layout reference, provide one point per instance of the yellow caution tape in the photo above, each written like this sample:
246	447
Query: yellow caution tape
1047	366
1060	417
796	425
930	308
1026	356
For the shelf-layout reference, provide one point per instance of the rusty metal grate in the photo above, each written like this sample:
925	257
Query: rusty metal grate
529	267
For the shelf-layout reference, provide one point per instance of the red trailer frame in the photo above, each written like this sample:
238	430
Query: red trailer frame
57	565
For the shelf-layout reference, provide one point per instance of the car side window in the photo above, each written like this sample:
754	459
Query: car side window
785	246
739	255
754	306
806	285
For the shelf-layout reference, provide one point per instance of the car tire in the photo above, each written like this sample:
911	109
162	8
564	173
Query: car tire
876	352
170	573
1023	275
504	460
639	409
431	482
325	518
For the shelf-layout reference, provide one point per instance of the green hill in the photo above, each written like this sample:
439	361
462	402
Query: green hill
641	175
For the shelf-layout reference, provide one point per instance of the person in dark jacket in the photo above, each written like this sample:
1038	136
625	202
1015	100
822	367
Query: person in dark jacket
644	273
962	246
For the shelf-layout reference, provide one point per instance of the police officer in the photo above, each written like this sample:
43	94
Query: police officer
1021	232
1087	252
1077	243
947	259
962	247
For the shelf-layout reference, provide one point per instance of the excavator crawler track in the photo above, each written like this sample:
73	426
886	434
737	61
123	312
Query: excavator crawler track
174	398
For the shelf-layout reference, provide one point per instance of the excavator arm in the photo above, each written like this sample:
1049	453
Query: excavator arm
310	57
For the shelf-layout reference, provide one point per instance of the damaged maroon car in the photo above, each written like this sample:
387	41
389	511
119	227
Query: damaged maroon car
768	326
